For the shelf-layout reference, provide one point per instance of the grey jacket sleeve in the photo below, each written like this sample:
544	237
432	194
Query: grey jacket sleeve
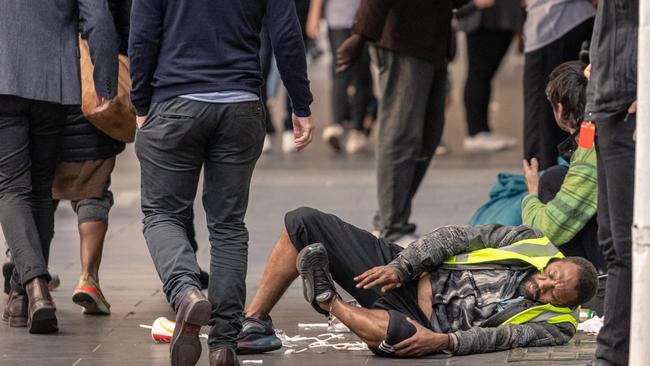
96	26
432	249
542	334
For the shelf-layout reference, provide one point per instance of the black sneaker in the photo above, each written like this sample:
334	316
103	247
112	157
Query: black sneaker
317	283
7	271
257	336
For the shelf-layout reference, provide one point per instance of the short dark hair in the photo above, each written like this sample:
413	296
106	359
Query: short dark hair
567	85
587	280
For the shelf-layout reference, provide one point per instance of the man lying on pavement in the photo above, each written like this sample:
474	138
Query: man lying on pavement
458	289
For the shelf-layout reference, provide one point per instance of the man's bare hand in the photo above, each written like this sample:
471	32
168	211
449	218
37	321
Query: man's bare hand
349	52
532	176
101	104
483	4
587	71
422	343
383	277
303	129
140	120
312	28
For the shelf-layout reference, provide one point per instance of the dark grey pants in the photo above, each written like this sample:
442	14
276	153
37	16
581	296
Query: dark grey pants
616	156
30	141
411	119
178	138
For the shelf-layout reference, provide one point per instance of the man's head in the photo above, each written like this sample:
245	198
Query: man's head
569	281
566	90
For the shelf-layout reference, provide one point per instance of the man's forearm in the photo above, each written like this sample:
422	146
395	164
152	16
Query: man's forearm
480	340
432	249
144	46
370	18
289	50
96	26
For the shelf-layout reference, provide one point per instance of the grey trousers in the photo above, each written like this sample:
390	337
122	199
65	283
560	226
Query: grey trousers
411	119
180	137
30	142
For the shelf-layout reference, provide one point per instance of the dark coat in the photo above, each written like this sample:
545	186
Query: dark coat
416	28
39	48
82	141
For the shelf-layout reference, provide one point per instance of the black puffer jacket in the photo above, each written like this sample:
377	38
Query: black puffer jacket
81	140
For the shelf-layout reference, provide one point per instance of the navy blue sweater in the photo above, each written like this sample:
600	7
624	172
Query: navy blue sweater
179	47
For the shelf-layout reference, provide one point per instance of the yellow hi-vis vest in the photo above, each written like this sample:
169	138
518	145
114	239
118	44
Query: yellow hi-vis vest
536	252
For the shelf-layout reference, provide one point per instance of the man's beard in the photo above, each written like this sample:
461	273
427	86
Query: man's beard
529	288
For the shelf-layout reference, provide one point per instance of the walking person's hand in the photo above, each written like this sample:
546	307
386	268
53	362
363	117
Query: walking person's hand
383	277
101	104
349	52
140	120
303	130
532	176
483	4
312	28
422	343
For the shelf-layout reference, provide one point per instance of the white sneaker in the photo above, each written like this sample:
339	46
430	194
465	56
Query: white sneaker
268	145
332	134
356	142
483	142
507	140
288	142
442	150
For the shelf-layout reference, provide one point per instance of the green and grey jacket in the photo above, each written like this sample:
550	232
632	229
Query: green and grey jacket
487	250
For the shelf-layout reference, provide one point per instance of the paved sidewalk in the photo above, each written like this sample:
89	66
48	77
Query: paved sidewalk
454	188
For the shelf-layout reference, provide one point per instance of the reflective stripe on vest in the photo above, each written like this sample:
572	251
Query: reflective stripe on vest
546	313
536	252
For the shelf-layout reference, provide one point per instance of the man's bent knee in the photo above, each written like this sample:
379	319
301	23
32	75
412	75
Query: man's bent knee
399	329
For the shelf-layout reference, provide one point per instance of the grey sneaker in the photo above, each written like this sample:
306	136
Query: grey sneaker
257	336
317	283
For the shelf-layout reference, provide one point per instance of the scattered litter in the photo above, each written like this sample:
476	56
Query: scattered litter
591	326
326	340
259	362
162	330
336	326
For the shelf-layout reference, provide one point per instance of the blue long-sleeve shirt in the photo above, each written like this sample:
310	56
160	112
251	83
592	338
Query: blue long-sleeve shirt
181	47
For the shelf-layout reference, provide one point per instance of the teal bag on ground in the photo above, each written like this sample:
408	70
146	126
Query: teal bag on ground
504	205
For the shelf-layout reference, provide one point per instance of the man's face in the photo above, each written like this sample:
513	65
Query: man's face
557	285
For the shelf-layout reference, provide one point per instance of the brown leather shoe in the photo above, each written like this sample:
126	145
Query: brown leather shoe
41	314
224	357
16	310
193	312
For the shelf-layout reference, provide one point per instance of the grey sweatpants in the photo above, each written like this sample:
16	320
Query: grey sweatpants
411	119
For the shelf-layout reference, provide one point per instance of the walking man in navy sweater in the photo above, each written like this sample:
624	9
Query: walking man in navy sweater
196	88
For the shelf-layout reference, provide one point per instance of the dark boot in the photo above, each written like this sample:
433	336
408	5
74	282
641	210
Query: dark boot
224	357
41	314
193	312
16	311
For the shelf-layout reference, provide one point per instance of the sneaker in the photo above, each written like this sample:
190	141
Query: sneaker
510	142
257	336
317	283
484	142
54	283
442	149
333	134
7	271
204	278
357	141
89	296
268	145
288	142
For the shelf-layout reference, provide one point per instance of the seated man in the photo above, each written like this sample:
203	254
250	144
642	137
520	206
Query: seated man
458	289
562	202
